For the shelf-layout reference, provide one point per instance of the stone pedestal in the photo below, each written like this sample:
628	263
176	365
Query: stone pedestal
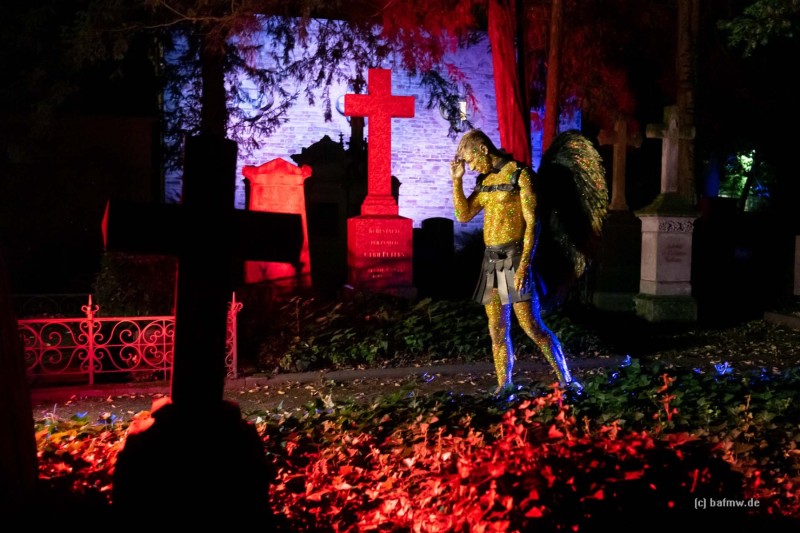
159	466
665	289
380	254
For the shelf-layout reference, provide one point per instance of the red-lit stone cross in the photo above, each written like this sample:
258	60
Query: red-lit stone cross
379	106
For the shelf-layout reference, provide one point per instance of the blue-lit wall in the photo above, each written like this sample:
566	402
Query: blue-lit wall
421	148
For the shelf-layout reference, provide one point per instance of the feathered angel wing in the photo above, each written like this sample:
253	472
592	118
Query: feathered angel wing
572	202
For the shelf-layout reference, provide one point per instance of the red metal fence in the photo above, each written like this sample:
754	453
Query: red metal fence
89	348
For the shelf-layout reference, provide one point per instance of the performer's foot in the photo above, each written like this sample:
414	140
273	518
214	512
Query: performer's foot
504	390
573	388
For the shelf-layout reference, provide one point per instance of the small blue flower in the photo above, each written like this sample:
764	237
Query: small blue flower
626	361
723	368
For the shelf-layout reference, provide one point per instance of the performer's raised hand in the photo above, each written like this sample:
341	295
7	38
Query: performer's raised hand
457	168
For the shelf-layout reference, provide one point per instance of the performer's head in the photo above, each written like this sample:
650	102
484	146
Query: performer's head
477	150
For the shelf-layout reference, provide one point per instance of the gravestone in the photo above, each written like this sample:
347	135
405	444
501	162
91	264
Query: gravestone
334	192
199	458
434	255
277	186
379	241
616	276
665	289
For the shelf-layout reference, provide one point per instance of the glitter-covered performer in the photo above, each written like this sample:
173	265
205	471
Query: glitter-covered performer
524	212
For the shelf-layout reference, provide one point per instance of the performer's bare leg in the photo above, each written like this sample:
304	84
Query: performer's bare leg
502	347
531	323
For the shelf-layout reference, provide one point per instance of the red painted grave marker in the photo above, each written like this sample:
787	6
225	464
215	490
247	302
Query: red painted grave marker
277	187
379	242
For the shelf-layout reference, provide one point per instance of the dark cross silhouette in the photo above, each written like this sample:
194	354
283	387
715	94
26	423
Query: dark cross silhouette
199	454
211	240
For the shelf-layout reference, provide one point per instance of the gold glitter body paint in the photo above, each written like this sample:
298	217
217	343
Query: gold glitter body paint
509	216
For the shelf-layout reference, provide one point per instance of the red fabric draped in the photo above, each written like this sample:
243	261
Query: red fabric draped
510	115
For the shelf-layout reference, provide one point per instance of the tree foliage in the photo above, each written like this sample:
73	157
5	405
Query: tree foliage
271	54
762	22
315	44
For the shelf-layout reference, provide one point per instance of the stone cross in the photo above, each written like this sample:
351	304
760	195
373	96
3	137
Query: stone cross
620	140
211	239
670	132
379	106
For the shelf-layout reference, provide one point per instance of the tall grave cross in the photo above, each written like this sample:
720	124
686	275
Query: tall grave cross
210	239
617	273
380	242
670	133
665	289
379	106
620	140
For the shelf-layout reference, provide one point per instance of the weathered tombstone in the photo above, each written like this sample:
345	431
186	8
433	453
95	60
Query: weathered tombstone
334	192
380	242
199	458
665	289
18	461
278	187
434	254
616	278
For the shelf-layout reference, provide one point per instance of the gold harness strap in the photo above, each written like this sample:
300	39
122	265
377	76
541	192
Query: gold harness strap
512	186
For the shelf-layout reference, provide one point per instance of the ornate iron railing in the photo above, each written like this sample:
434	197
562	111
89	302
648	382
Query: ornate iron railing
90	348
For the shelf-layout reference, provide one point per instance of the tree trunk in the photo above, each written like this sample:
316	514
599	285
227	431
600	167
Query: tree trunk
18	462
522	76
213	102
688	14
551	97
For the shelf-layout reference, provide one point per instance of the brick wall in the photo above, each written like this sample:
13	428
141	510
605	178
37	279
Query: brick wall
421	148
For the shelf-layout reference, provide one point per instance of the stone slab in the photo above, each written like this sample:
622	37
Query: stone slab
666	308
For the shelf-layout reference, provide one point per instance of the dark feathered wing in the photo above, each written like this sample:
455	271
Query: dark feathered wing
572	202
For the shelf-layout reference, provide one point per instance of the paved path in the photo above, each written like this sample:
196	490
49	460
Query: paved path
257	396
43	394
